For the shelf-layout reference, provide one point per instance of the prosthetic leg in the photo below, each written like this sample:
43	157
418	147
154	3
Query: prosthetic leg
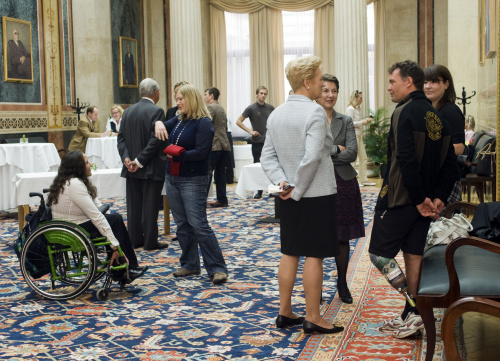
390	269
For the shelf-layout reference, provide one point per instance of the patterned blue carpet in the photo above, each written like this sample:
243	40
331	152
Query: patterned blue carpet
160	317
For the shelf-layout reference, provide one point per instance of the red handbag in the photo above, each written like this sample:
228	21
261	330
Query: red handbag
174	151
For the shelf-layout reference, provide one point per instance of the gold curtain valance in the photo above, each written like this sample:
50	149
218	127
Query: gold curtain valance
250	6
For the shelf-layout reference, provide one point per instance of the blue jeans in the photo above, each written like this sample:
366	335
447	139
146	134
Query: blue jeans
188	202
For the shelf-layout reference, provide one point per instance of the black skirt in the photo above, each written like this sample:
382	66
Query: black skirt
309	227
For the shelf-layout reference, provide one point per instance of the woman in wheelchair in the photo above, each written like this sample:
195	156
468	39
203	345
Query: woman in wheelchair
73	198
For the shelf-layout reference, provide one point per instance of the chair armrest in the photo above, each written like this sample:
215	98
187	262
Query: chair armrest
458	308
457	205
470	164
454	288
104	208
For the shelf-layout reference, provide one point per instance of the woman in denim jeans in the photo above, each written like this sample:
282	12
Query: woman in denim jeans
190	135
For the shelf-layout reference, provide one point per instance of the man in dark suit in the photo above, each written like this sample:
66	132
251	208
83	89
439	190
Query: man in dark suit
143	165
172	112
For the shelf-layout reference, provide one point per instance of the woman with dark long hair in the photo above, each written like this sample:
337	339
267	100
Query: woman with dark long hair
73	198
439	89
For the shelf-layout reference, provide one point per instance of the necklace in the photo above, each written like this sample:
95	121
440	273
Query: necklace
177	141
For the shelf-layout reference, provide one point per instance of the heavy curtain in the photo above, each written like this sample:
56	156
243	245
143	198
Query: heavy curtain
218	51
266	53
324	33
380	68
250	6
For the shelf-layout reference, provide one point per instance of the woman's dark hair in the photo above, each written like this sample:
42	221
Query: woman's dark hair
437	72
331	78
72	166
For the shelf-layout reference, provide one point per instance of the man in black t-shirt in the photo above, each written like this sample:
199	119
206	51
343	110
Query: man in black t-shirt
258	114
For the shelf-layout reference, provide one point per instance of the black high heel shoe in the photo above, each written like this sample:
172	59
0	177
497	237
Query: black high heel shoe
346	298
283	321
310	327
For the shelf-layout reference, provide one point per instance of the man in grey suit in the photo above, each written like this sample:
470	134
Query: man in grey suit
220	146
143	166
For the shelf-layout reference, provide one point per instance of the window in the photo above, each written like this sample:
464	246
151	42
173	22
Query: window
370	15
298	37
238	69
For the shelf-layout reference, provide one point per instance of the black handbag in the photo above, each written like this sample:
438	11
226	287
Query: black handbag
485	159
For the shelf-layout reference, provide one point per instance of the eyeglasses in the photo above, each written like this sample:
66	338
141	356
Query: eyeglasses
115	112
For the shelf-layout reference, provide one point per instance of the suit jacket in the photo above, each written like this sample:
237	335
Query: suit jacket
86	129
298	147
171	112
343	133
219	120
137	140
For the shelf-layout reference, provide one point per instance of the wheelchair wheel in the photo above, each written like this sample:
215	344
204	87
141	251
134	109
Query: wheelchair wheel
102	294
58	261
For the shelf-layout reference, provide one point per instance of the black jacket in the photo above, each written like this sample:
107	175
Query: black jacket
420	156
136	140
171	112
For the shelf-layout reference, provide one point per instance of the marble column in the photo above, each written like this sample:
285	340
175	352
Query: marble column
463	60
186	49
351	61
154	47
93	64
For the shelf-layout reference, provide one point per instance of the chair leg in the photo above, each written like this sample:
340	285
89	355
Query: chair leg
480	191
494	190
424	307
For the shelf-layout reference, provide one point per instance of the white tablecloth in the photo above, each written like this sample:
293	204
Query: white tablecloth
103	152
23	158
108	182
242	151
242	157
252	178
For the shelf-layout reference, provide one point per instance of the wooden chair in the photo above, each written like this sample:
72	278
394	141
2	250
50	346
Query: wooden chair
457	309
479	182
468	266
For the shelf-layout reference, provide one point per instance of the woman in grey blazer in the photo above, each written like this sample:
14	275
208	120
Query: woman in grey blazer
350	223
296	156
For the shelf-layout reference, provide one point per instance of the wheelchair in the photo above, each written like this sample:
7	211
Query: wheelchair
59	260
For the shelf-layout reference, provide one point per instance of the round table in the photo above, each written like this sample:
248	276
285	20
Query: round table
103	151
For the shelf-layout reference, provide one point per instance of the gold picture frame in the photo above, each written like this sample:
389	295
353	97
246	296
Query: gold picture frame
487	30
17	51
128	63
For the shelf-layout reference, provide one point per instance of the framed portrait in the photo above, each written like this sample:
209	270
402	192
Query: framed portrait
487	30
128	63
17	50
